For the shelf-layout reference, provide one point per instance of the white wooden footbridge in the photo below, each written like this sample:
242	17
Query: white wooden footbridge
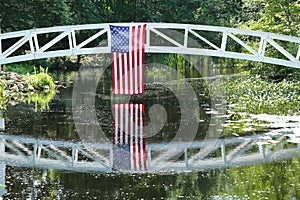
160	38
161	157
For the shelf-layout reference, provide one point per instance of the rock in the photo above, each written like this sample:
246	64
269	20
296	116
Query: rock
30	88
10	82
21	86
15	97
15	88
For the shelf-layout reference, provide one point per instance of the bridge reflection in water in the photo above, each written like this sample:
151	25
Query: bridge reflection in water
139	156
129	152
88	157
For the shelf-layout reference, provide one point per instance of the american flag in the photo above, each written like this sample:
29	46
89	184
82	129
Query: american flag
128	139
127	52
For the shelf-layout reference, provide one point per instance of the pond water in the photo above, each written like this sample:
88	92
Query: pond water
56	153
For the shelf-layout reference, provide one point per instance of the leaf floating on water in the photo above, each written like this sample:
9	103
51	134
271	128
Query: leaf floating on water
273	141
248	129
211	112
262	143
294	140
267	138
296	131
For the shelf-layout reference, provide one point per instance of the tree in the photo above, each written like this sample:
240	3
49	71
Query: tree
15	15
277	16
87	11
47	13
28	14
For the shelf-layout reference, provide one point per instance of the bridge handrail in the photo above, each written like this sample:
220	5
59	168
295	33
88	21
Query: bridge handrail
36	51
152	25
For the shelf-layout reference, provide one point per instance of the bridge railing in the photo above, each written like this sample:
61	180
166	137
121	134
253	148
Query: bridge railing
160	38
200	155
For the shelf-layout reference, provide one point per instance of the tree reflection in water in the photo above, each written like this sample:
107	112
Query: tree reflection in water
280	180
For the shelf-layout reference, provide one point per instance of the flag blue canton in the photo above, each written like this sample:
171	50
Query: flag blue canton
120	39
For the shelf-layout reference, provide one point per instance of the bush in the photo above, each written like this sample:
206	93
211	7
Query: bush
19	68
41	80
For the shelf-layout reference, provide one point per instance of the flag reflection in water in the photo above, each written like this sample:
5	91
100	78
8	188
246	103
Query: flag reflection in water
129	151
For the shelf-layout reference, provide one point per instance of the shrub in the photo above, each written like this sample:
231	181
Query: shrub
41	80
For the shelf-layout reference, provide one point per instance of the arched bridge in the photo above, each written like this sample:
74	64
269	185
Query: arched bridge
276	145
160	38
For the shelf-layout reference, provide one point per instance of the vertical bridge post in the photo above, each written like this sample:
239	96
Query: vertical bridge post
223	152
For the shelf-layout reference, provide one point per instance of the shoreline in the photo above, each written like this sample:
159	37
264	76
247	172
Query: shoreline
17	88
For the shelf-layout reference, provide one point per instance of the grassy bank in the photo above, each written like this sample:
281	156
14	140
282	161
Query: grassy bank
38	88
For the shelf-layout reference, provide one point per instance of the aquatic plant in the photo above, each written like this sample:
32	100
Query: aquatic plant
41	99
41	80
252	94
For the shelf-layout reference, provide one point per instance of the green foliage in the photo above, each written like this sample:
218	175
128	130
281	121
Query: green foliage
275	72
252	94
2	88
20	15
28	14
251	10
19	68
219	12
41	80
38	88
242	124
279	180
276	16
41	99
87	11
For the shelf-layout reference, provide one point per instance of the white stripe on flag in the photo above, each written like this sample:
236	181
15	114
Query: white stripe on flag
140	65
120	74
115	71
131	134
125	76
136	153
130	57
141	140
135	67
116	126
126	125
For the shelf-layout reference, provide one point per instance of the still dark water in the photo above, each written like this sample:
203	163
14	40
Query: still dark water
276	178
